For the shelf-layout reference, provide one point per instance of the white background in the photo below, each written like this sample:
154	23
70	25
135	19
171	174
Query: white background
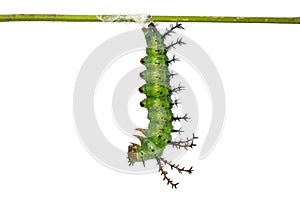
257	157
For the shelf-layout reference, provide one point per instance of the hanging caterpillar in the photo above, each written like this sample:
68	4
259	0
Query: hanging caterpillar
159	104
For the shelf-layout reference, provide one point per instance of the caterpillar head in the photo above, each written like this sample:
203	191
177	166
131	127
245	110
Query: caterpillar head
132	153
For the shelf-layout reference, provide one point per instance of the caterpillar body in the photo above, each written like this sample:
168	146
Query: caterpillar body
159	103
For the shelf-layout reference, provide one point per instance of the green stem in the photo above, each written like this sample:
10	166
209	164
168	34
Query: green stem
227	19
133	18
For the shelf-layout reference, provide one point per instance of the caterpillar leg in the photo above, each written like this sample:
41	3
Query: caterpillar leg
164	174
173	166
175	103
177	131
177	89
171	30
172	60
177	118
161	161
172	74
188	143
173	44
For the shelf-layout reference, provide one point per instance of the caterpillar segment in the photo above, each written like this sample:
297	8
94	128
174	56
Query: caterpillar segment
159	104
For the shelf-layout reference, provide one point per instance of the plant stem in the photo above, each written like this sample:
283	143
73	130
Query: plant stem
228	19
133	18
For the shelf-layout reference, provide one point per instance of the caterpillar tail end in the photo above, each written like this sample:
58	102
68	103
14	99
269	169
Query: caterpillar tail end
144	29
132	153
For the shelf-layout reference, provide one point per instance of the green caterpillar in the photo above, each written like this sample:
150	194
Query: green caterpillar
158	103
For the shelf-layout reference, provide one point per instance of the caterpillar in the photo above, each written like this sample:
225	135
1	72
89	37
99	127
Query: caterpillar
159	104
